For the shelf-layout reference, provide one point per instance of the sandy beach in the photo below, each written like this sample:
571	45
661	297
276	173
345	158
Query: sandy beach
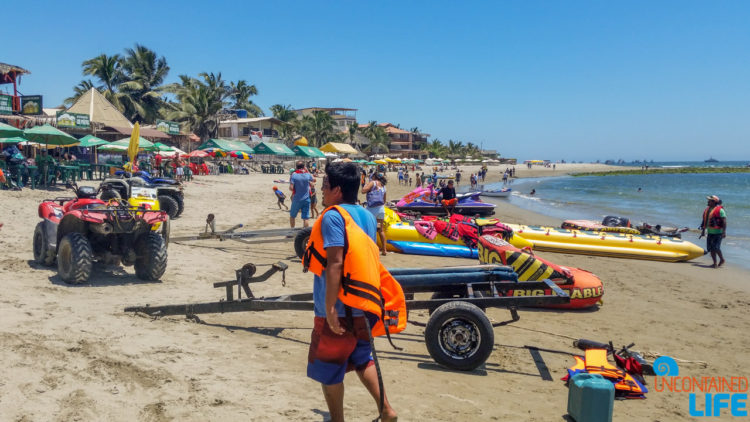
71	353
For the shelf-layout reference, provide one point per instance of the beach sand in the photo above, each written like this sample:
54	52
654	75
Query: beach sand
71	353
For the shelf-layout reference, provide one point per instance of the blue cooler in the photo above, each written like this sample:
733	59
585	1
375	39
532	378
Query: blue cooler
591	398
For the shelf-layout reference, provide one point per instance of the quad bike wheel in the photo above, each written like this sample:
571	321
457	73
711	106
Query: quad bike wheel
459	336
164	231
168	204
43	254
110	194
180	204
300	241
75	258
151	260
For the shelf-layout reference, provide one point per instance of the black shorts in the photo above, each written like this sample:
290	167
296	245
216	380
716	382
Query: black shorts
713	242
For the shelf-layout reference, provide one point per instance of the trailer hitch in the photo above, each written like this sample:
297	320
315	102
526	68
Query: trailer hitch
245	277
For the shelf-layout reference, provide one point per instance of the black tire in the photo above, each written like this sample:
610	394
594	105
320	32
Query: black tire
164	231
43	253
110	194
180	204
300	241
168	204
459	336
151	257
75	258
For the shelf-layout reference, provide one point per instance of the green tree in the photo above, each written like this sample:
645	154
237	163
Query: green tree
108	70
241	93
198	103
379	139
318	128
78	90
454	148
286	114
144	74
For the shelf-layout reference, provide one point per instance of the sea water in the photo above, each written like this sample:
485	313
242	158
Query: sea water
676	200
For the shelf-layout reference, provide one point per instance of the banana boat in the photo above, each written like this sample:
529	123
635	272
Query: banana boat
617	245
399	231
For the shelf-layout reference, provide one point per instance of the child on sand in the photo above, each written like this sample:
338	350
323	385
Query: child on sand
281	197
314	202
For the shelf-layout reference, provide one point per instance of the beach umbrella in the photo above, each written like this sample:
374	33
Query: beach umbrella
370	163
198	153
159	147
8	131
90	141
380	162
215	152
113	148
133	145
12	140
47	134
242	155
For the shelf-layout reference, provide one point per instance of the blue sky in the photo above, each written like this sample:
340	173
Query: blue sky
572	80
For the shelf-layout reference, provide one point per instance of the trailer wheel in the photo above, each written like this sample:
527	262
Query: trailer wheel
459	336
454	295
300	241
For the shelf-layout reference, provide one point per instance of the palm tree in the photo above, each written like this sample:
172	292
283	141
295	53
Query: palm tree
108	71
286	114
318	127
379	140
241	92
78	90
144	74
435	148
455	148
199	103
351	132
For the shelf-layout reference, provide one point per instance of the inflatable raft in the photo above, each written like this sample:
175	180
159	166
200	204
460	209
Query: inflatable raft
585	289
616	245
404	237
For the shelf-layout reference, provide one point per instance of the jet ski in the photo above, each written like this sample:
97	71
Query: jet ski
424	201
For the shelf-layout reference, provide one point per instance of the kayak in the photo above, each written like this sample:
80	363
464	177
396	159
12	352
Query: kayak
497	193
585	289
432	249
616	245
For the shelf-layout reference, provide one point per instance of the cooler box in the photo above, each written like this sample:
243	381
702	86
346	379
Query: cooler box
591	398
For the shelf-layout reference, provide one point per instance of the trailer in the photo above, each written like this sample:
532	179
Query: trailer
458	333
249	237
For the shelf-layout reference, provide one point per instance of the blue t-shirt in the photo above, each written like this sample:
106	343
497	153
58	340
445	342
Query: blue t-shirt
334	235
301	183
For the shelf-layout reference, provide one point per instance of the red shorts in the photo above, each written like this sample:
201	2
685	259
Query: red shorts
450	202
332	355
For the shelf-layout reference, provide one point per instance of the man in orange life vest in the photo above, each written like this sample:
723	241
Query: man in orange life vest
340	343
715	222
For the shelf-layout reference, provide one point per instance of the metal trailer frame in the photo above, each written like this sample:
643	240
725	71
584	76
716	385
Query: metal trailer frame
248	237
458	333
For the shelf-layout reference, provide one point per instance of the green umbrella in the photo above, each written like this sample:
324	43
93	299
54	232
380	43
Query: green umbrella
13	140
160	147
90	141
9	131
142	143
49	135
113	148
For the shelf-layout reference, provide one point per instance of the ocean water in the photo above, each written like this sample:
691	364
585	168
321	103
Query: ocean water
666	199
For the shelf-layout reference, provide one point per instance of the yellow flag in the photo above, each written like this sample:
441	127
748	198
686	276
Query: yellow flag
133	146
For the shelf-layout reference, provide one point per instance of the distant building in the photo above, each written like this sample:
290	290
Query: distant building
403	142
342	117
251	129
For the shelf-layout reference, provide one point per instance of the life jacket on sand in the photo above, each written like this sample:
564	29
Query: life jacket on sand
595	362
713	220
365	283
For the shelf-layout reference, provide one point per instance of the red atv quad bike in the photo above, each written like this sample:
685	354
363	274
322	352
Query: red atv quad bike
78	231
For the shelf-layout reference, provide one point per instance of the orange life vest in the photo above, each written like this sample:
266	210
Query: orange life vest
365	283
713	220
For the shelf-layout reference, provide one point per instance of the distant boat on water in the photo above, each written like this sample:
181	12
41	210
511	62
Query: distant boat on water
711	160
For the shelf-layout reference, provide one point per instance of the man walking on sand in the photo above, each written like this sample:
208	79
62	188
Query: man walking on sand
340	339
299	183
715	222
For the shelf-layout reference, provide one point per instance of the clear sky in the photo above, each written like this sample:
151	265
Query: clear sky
572	80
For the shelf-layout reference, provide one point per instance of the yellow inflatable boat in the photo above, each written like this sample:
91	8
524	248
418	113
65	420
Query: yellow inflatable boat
617	245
